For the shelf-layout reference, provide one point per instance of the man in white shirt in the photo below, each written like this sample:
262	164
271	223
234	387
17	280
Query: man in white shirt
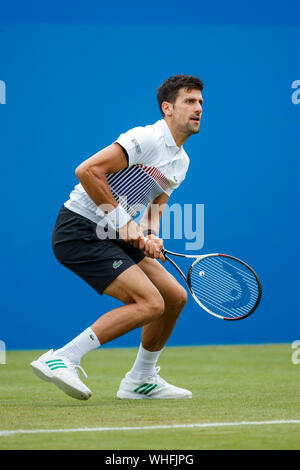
96	237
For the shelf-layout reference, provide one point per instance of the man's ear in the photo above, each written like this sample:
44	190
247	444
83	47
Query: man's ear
167	108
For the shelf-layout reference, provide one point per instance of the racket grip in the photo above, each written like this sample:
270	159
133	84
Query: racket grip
163	250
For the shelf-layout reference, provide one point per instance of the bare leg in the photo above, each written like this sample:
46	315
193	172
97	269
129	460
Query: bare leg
156	333
143	304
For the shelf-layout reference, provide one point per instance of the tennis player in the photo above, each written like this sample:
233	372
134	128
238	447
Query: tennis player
141	168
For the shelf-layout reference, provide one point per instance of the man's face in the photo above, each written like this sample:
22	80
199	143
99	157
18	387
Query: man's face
185	113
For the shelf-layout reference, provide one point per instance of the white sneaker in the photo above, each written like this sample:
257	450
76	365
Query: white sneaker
150	387
63	373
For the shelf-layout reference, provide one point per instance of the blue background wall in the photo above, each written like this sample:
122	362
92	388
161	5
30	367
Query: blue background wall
75	79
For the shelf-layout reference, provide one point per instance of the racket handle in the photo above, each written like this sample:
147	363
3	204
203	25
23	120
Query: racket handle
163	250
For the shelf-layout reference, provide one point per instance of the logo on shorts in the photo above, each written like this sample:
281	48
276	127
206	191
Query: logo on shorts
117	264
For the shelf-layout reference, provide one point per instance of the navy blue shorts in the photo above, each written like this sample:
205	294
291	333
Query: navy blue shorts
77	247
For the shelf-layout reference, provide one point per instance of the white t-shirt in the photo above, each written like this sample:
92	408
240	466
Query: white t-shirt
156	165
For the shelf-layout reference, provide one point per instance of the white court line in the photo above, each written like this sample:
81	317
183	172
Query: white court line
145	428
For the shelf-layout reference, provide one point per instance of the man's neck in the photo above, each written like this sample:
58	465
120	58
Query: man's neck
179	137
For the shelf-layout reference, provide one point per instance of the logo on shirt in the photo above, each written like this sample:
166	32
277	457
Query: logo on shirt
137	146
175	179
117	264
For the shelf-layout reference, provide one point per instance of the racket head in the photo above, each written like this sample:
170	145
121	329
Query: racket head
224	286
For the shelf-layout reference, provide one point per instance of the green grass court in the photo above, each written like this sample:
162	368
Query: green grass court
229	384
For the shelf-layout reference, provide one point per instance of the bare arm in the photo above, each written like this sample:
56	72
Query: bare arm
92	175
153	213
151	221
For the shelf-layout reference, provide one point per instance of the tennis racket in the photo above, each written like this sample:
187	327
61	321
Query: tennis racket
222	285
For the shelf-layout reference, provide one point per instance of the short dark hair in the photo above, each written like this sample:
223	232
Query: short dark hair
169	90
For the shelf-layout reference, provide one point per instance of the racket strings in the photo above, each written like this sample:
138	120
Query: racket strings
245	272
222	290
225	287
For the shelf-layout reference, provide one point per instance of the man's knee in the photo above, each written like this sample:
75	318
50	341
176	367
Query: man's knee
152	306
155	305
177	300
182	297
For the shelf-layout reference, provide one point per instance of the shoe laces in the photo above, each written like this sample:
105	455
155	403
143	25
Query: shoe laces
75	368
158	377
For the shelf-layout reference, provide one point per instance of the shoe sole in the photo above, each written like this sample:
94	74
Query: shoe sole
135	396
71	390
131	396
42	372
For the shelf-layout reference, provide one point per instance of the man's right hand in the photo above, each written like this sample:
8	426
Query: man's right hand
131	233
154	247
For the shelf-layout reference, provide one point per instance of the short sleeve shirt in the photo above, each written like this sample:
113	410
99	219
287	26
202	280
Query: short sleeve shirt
156	165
